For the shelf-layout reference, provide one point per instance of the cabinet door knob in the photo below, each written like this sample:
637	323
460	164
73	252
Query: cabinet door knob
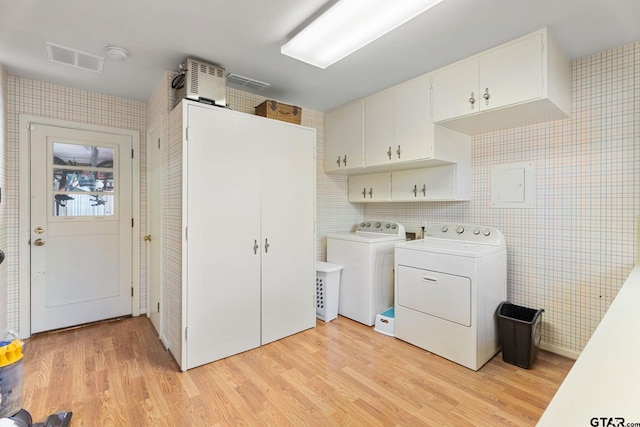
472	100
39	242
266	246
424	190
486	95
415	190
344	160
255	247
147	238
398	151
364	192
371	193
338	161
389	153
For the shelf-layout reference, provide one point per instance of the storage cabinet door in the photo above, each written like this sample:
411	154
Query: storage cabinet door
406	186
452	89
222	214
344	137
288	230
412	120
512	74
379	147
370	188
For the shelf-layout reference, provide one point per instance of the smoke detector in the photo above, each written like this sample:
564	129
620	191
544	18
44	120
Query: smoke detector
116	53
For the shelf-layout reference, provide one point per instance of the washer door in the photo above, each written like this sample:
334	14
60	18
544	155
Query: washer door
438	294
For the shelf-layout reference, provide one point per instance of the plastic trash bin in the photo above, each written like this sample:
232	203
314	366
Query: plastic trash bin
327	290
519	333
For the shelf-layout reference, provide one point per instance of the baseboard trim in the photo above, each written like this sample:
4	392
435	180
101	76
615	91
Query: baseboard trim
559	350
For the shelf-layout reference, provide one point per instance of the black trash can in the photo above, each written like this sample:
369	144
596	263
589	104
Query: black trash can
519	334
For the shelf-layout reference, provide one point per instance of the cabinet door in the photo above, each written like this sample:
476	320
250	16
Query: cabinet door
344	138
407	185
379	139
370	188
512	74
221	210
434	183
453	89
288	230
412	118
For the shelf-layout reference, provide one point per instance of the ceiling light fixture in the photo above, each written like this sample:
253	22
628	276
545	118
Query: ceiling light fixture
116	53
348	26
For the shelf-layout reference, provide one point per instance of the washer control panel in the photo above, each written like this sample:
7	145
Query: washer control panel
466	233
391	228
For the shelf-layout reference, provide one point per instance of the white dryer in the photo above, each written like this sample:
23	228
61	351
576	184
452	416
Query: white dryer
448	288
366	257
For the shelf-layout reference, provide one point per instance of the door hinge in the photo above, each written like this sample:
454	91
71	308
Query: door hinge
132	153
158	143
186	233
31	126
132	291
186	333
186	134
132	223
158	307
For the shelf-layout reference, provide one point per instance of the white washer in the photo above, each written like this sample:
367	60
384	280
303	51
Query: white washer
448	288
366	257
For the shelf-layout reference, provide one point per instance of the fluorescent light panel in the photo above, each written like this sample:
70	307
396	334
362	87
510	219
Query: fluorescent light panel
348	26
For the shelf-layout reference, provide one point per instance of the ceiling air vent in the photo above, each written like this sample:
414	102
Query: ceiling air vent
246	82
74	58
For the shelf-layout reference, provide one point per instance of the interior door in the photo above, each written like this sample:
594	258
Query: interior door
154	224
81	268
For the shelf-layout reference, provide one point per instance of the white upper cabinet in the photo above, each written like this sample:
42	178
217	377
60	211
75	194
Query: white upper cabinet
344	138
398	125
522	82
370	188
379	137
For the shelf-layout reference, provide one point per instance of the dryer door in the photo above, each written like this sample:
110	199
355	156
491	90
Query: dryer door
442	295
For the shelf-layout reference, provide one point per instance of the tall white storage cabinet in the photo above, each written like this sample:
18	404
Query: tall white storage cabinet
248	222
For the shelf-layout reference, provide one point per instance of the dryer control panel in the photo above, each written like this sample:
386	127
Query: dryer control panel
467	233
390	228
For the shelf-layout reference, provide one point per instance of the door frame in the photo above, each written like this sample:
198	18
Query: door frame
24	208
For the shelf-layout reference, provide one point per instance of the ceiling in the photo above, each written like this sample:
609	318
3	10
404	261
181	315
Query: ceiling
244	37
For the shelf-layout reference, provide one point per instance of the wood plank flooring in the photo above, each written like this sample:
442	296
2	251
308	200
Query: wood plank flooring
339	373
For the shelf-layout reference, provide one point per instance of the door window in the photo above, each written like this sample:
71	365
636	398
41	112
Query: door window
84	180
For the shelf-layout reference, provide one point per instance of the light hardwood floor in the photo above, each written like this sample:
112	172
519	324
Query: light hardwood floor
339	373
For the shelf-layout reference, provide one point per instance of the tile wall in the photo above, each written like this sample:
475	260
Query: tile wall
4	212
571	252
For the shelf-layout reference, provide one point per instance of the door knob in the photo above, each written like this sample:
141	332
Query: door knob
39	230
147	238
39	242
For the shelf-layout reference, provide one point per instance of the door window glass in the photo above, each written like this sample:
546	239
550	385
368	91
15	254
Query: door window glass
84	182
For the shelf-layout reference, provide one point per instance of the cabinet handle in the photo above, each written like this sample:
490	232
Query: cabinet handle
486	95
424	190
344	160
472	100
266	246
389	153
415	190
255	247
371	193
398	151
338	161
364	192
